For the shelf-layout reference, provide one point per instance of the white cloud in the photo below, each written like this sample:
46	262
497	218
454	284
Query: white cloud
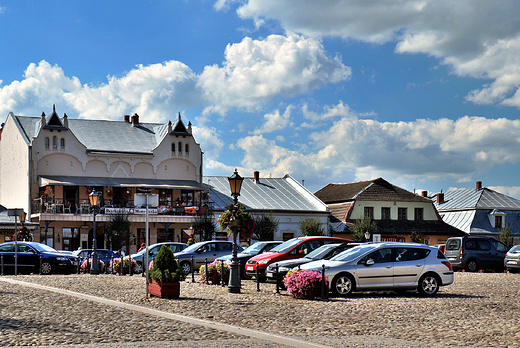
478	38
209	140
512	191
255	71
275	122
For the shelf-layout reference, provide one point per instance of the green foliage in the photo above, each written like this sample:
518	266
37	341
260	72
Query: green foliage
204	227
311	226
362	226
24	234
118	229
505	236
266	226
165	268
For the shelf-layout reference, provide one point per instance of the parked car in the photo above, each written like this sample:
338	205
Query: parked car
512	259
153	250
475	253
324	252
442	247
386	266
29	256
291	249
249	252
202	251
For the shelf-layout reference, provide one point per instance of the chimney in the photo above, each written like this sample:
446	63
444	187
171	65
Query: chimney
424	193
440	197
135	120
479	185
127	118
256	176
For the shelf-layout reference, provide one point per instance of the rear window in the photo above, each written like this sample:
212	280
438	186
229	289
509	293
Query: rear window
453	244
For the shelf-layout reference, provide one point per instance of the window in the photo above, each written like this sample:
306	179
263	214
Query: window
173	148
484	245
54	142
187	149
410	254
419	213
382	255
180	148
402	213
47	143
385	213
498	221
62	143
369	212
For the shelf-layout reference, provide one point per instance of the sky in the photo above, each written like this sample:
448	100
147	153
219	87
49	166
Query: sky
423	93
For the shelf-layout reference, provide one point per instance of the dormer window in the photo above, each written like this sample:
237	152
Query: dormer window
497	219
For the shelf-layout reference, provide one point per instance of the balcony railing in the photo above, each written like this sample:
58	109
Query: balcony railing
57	206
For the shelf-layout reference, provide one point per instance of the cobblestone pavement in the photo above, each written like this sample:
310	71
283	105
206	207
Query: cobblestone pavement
478	310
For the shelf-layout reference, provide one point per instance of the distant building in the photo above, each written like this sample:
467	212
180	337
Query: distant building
397	213
479	211
284	198
49	165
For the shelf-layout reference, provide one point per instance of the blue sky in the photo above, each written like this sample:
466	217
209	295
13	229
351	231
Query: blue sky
422	93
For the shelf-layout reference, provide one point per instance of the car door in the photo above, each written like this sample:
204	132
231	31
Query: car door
7	255
408	265
499	254
376	270
28	259
485	253
206	251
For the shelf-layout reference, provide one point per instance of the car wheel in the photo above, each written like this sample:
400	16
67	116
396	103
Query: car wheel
342	285
138	268
186	267
471	266
428	284
46	267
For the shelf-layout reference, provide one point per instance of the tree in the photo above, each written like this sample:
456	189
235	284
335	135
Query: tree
362	226
118	230
505	235
204	227
24	234
416	237
311	226
266	226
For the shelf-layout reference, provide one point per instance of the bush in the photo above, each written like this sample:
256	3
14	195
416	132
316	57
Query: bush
311	226
165	268
116	265
87	263
215	265
301	283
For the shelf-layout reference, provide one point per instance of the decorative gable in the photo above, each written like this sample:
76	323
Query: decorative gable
178	128
53	121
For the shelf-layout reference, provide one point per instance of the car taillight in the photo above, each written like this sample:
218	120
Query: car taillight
461	252
447	264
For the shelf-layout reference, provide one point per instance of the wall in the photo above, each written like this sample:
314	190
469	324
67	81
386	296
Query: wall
428	209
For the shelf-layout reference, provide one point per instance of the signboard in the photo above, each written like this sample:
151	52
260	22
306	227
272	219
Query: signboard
140	199
136	211
376	238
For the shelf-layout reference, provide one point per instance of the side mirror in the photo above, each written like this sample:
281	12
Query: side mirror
369	262
300	251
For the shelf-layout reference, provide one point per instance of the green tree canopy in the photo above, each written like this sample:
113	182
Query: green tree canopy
204	227
362	226
266	225
311	226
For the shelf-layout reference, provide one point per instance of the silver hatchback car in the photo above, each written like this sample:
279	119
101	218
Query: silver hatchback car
387	266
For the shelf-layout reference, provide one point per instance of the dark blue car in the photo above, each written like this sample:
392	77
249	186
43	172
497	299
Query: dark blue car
30	255
249	252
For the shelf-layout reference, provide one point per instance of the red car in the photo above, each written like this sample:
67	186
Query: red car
291	249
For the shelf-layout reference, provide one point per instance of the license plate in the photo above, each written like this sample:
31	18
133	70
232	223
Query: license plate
269	274
451	258
512	262
249	268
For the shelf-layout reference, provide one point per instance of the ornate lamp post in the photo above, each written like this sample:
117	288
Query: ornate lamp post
235	182
94	199
367	236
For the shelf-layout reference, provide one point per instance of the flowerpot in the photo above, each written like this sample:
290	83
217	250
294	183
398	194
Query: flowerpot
164	290
215	277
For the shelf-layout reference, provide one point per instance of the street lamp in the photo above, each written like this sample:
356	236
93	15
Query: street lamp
15	213
367	236
235	182
94	200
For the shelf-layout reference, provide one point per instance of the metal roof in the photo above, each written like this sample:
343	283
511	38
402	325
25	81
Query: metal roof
476	199
268	194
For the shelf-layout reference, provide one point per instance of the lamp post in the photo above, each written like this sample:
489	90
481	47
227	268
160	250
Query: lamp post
235	182
367	236
94	199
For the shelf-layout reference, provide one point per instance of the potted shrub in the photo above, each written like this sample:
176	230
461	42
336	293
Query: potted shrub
215	272
209	273
165	275
305	284
87	263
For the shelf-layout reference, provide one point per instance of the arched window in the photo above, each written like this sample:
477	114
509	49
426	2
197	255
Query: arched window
62	143
180	148
54	142
173	148
47	143
187	149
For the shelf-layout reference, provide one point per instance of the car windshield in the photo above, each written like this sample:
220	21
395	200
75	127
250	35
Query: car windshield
253	249
43	247
353	253
192	248
453	244
515	249
286	246
319	253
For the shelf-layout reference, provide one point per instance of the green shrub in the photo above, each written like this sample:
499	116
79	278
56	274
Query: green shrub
165	268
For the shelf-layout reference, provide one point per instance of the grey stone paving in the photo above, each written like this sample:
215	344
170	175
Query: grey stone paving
478	310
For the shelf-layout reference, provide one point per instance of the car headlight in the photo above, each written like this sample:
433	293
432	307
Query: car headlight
263	262
62	258
284	269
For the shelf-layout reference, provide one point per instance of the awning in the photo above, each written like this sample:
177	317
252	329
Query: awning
121	182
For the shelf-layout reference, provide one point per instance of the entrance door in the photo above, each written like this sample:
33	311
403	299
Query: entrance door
71	198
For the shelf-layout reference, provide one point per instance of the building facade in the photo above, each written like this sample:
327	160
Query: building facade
49	165
397	213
